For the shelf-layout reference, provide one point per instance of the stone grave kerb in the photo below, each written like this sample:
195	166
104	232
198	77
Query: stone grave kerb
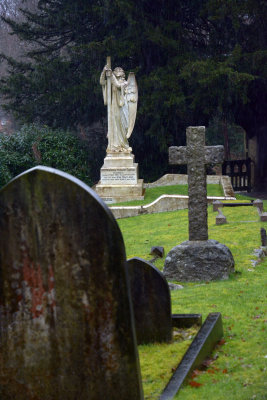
66	318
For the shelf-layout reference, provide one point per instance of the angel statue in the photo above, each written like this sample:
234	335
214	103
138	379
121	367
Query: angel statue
120	96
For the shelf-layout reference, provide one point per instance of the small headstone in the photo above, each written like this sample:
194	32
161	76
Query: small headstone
217	204
259	204
157	251
66	323
205	257
151	302
220	218
263	237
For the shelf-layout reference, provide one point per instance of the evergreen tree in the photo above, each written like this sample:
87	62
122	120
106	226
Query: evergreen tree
195	61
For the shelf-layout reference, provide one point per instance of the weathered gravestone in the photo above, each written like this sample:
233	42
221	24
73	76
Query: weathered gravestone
66	323
199	258
151	302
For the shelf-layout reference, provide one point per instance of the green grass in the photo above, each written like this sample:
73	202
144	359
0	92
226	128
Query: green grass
152	194
240	371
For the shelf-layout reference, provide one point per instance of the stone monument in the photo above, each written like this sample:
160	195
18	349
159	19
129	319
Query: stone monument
198	259
119	175
66	321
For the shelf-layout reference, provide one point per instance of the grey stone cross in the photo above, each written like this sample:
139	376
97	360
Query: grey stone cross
196	155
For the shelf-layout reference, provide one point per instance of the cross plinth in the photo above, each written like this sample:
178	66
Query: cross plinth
196	155
197	259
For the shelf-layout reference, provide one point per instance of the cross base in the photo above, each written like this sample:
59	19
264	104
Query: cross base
193	261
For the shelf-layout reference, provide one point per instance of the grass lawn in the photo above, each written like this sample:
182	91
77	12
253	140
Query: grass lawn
152	194
239	368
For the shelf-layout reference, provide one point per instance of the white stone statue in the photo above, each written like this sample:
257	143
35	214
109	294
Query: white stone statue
121	97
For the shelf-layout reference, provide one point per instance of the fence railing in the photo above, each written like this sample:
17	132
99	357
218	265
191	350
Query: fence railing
239	172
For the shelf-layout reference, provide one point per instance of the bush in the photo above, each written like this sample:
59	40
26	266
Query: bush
40	145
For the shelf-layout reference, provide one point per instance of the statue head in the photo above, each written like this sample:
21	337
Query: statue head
119	73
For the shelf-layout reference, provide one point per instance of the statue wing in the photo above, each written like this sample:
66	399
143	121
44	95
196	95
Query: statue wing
131	97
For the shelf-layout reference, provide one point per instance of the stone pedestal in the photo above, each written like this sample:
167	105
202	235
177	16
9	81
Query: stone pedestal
203	260
119	179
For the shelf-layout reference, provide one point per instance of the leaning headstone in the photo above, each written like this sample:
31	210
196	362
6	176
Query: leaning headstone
151	302
66	319
199	258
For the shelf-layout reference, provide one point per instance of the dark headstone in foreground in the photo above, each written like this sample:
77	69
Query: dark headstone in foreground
199	261
66	323
151	302
208	336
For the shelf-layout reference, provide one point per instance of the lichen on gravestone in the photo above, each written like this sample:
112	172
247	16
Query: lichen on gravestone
66	319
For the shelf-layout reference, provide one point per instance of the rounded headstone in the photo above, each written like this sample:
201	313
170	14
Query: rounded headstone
65	311
151	302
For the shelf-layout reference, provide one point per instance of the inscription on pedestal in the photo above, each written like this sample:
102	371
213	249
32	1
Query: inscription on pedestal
119	179
119	176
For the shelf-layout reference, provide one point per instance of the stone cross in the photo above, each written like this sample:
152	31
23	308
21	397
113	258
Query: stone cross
196	155
66	321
